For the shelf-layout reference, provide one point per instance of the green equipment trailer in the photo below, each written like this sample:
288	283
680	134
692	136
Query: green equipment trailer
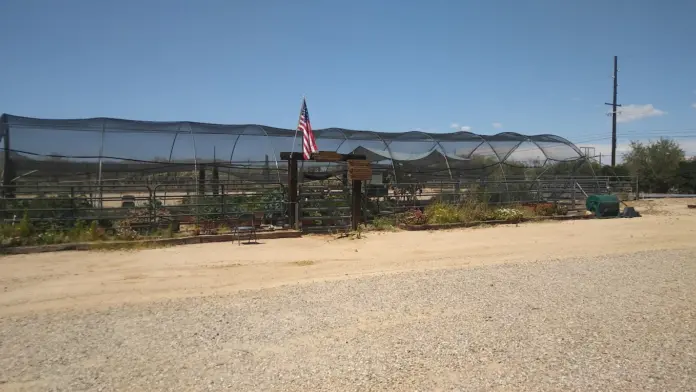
603	206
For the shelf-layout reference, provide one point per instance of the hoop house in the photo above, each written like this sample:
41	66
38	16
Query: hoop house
107	148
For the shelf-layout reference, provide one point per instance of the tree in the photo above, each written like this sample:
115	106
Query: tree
655	163
685	179
617	171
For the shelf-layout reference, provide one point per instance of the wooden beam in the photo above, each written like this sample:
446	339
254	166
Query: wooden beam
298	156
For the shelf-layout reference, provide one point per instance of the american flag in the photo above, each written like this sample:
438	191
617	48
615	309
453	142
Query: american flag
309	143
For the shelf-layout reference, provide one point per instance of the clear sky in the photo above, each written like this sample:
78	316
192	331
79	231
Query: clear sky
533	66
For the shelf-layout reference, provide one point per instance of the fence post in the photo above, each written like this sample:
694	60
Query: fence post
457	191
296	209
72	203
575	183
152	208
222	201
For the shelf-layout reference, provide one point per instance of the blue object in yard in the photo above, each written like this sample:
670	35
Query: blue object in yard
603	206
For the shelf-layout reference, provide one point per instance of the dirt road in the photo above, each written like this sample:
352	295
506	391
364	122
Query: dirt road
95	279
574	306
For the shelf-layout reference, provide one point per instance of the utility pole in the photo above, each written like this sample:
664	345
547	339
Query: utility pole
614	105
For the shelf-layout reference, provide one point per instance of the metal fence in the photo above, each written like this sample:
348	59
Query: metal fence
145	204
324	205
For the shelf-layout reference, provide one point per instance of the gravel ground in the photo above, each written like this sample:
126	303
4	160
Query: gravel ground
620	323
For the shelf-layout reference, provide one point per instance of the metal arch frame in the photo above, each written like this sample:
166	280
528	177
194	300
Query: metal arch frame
275	154
391	155
171	151
566	142
380	138
436	143
338	130
234	146
345	138
525	138
563	141
500	163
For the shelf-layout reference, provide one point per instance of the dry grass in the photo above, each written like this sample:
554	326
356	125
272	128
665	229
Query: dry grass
303	263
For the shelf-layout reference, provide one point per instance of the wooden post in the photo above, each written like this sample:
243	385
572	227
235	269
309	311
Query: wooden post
356	207
292	191
201	180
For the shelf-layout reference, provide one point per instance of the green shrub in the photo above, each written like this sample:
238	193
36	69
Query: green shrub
96	233
475	211
549	209
61	208
382	223
25	228
441	213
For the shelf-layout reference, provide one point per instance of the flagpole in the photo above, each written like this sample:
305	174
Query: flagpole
297	128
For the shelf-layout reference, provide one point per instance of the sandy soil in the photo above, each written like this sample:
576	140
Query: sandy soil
77	280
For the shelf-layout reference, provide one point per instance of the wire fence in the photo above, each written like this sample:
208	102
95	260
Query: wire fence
152	205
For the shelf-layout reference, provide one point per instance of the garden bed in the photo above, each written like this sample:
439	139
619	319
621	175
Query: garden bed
138	244
445	226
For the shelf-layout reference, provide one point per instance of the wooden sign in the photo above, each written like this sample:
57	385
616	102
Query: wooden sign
358	163
359	170
360	176
326	156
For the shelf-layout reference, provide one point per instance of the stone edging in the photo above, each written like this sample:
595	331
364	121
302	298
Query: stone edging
200	239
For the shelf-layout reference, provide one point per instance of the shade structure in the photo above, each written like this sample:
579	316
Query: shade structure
109	145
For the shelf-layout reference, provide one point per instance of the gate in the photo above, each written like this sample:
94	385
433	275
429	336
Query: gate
324	207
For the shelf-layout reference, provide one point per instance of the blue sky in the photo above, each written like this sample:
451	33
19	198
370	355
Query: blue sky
534	66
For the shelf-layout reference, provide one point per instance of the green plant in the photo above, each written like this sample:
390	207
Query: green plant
549	209
25	228
475	211
51	237
382	223
96	233
442	213
61	209
80	232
